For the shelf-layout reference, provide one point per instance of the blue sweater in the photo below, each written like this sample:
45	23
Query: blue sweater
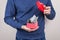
19	11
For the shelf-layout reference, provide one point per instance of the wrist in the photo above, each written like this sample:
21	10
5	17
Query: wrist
22	27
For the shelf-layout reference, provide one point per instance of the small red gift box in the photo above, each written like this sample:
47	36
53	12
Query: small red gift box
32	25
40	6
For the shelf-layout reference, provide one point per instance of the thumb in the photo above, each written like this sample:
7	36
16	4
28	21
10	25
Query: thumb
44	6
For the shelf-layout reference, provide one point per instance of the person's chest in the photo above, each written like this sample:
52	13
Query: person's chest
26	9
26	4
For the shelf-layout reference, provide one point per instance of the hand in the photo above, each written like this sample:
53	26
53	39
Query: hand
26	28
35	29
47	10
33	26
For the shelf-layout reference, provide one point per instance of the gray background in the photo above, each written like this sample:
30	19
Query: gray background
52	27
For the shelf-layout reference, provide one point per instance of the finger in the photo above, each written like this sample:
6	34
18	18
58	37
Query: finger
27	29
47	7
46	12
35	29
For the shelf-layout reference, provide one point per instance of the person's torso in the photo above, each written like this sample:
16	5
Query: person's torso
25	10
